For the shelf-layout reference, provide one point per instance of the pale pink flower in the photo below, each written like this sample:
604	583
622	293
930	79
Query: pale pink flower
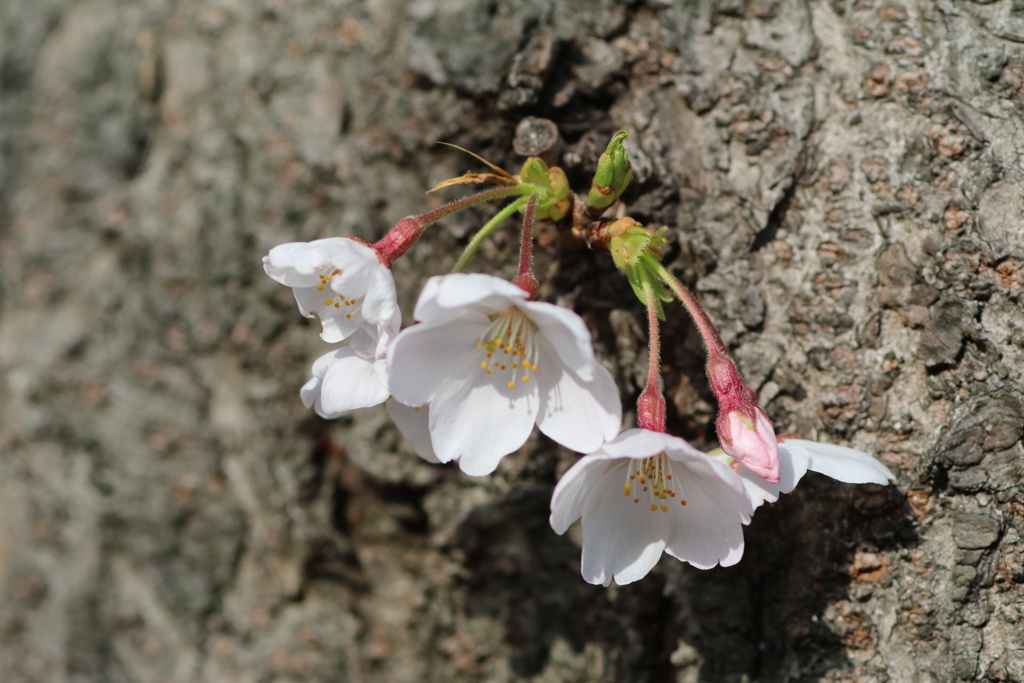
344	283
491	364
645	493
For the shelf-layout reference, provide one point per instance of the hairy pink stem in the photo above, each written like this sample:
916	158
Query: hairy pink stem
400	238
525	280
650	407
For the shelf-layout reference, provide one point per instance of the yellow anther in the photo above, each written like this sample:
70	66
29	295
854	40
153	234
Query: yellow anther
348	315
330	301
484	364
511	385
682	502
653	507
664	508
320	288
526	378
626	489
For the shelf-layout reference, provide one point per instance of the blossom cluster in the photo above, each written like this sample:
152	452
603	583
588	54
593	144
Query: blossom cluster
484	362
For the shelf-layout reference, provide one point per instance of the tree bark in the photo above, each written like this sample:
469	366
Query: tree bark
842	184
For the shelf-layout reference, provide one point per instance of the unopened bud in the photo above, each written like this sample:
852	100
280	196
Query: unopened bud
614	171
749	436
553	195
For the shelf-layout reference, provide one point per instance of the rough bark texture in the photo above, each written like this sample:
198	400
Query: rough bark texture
843	184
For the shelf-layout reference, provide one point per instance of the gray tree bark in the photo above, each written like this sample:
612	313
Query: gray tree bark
842	181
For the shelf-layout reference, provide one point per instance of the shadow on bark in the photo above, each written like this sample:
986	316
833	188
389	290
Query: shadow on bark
761	619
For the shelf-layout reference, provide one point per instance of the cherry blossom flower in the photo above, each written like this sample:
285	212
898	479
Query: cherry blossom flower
344	283
345	380
645	493
491	364
797	456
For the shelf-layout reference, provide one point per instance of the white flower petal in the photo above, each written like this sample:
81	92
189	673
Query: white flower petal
352	383
336	326
414	425
643	443
792	467
573	488
708	530
380	303
845	464
447	294
479	423
344	381
299	264
580	416
621	539
567	334
423	357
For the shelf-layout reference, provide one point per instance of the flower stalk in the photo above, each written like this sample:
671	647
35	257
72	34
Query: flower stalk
404	234
650	407
485	231
525	279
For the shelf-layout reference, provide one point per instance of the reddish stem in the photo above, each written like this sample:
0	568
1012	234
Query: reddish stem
650	407
525	280
400	238
707	329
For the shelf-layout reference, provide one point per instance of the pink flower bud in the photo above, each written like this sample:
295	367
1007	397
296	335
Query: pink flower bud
750	441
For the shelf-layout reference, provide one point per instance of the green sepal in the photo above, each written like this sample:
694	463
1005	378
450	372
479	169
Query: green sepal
637	252
614	171
553	195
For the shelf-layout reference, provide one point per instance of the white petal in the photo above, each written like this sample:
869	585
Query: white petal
478	423
299	264
793	461
425	356
643	443
446	294
708	530
621	539
351	383
572	490
337	326
844	464
567	334
715	474
580	416
415	427
367	344
380	301
310	394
